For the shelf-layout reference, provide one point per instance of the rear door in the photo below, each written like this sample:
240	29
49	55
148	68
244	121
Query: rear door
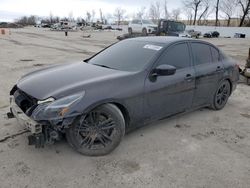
168	95
208	70
136	25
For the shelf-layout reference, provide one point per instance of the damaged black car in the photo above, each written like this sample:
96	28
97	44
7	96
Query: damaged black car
127	85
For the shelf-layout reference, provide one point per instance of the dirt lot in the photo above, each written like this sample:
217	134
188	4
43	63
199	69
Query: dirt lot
200	149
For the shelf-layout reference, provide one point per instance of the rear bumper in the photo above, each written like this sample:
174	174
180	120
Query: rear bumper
33	126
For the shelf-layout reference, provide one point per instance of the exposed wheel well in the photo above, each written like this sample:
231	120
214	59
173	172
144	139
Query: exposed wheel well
124	113
230	82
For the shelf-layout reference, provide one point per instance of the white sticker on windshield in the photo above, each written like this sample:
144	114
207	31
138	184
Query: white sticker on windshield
152	47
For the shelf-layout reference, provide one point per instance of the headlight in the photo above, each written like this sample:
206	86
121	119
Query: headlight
57	108
51	99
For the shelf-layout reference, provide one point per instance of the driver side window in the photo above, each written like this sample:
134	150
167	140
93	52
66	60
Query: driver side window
177	56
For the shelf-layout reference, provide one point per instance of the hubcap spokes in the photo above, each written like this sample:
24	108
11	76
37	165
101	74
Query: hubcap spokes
222	95
95	130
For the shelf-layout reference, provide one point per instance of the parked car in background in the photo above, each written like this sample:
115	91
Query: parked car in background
193	33
211	34
142	26
127	85
171	28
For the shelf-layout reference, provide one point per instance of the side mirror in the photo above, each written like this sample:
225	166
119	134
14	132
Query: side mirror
164	70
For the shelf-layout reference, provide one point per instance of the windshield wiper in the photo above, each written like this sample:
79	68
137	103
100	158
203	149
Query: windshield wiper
103	66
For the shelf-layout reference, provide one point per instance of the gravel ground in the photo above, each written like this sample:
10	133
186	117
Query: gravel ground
200	149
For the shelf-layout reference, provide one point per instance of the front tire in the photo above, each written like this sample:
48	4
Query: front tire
98	132
221	95
144	32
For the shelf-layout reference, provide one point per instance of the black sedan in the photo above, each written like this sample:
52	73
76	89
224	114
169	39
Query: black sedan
127	85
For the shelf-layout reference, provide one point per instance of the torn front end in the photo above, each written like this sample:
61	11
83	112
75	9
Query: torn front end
45	125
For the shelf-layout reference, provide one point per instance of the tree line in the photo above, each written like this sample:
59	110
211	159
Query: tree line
197	12
200	10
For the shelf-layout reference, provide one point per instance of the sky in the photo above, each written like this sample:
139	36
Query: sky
12	9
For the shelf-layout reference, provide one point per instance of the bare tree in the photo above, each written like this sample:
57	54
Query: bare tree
93	15
30	20
195	5
176	13
140	14
108	17
227	7
245	8
166	14
217	12
119	14
80	21
71	18
88	17
205	13
189	13
154	11
51	17
101	16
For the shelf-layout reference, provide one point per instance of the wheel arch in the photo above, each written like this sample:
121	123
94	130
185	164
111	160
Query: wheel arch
231	84
119	105
124	112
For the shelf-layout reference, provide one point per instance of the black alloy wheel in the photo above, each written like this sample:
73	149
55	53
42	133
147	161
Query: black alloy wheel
221	96
98	132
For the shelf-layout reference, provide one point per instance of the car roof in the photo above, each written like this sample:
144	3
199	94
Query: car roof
166	40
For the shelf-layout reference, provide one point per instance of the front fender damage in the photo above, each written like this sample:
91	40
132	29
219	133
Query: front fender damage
52	131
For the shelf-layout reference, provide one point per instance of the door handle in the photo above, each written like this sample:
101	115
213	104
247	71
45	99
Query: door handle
219	68
189	77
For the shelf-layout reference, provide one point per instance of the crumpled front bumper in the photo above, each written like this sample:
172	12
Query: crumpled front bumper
33	126
43	133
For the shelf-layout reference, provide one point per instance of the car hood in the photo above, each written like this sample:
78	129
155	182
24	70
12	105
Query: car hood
62	80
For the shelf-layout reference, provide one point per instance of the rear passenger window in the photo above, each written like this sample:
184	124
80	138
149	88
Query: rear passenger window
135	21
201	53
215	54
177	56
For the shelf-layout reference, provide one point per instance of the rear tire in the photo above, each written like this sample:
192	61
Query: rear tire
221	95
98	132
130	31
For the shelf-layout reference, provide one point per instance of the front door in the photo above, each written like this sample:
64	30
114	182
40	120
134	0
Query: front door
168	95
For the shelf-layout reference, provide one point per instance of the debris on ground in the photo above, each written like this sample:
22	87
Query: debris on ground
239	35
13	135
86	36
